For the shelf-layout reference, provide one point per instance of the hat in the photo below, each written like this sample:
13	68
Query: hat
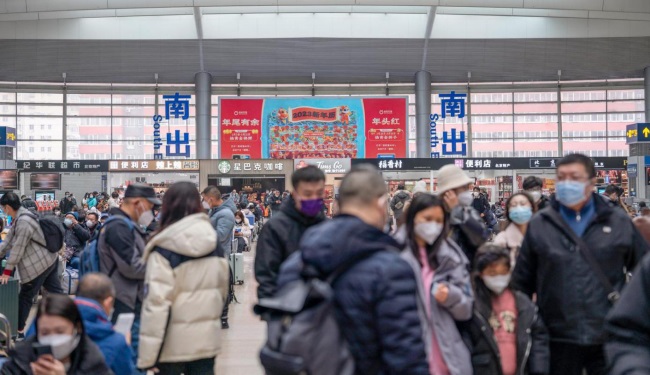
142	191
420	187
452	177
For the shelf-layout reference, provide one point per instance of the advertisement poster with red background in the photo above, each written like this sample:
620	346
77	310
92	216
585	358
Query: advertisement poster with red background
313	127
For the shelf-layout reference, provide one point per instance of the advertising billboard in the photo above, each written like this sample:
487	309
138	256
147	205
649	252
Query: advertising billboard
313	128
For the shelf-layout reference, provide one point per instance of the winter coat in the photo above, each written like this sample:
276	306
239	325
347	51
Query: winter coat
86	359
400	196
375	299
572	301
280	237
75	239
29	203
66	205
92	202
245	230
468	231
628	326
113	346
451	270
512	239
533	355
272	201
187	285
27	255
121	249
481	204
223	222
642	223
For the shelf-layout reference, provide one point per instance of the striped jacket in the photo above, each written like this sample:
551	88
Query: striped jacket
26	254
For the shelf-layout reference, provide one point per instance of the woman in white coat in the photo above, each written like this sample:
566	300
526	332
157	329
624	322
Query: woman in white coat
186	285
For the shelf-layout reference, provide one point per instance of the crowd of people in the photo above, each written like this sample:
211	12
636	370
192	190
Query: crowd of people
417	283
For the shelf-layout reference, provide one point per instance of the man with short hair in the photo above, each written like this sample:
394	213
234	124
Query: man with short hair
36	265
67	203
281	235
222	217
533	185
113	201
121	247
75	238
399	201
375	302
274	201
611	194
92	223
575	257
95	300
28	203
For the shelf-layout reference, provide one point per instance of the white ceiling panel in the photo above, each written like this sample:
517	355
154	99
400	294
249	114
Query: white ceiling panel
217	3
315	2
474	11
483	3
117	4
154	12
76	14
13	6
54	5
551	13
405	2
565	4
627	6
18	17
620	16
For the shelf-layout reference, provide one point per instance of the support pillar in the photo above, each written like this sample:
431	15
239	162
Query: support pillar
203	91
646	89
422	112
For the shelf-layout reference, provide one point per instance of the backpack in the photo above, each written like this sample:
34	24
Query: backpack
53	232
303	336
398	203
89	259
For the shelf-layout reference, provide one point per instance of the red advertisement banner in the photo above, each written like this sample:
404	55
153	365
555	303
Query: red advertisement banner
241	128
385	120
317	114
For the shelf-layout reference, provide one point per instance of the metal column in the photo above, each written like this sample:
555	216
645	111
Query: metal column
203	90
422	112
646	89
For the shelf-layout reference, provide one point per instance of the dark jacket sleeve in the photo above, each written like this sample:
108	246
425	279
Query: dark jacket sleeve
540	353
121	240
398	322
524	277
470	225
628	327
639	250
82	233
268	260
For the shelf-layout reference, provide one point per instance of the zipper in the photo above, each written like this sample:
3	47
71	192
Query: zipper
529	345
484	325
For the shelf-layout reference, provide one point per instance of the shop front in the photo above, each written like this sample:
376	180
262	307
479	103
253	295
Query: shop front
334	170
500	177
159	174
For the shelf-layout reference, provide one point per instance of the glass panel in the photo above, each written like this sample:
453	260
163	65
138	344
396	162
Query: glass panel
625	94
532	126
24	97
40	110
7	121
89	98
536	108
478	109
494	148
549	96
88	110
412	127
617	147
491	127
583	107
89	128
134	99
7	97
134	111
540	147
193	97
40	128
93	150
584	125
626	106
618	121
7	109
132	127
577	96
132	149
497	97
39	150
587	146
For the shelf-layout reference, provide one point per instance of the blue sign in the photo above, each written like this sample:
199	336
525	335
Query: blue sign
177	106
454	142
632	170
7	136
637	133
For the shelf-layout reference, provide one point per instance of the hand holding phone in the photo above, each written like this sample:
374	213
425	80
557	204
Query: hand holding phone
41	350
124	323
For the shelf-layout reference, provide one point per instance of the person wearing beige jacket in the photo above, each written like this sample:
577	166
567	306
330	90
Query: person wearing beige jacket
520	208
186	285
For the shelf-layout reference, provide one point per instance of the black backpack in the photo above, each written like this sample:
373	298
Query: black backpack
52	231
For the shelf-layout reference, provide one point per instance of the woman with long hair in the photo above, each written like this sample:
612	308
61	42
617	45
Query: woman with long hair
520	208
63	346
187	285
444	286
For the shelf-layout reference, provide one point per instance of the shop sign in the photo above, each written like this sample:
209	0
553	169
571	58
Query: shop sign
637	133
63	165
543	163
226	166
7	136
454	142
484	163
178	106
328	166
632	170
153	165
312	128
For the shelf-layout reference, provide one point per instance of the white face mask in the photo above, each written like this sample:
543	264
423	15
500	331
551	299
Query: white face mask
465	198
497	284
62	345
146	218
238	221
90	224
429	231
205	205
536	195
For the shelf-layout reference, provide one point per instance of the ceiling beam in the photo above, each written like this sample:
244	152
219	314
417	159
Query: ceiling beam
198	22
427	34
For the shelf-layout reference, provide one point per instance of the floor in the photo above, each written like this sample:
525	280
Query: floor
242	342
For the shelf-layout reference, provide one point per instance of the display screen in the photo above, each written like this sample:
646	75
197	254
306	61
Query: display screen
44	196
45	181
9	180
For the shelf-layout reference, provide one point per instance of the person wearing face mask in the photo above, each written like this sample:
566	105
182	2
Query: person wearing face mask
575	257
281	235
375	302
242	231
443	284
466	225
121	246
520	208
57	213
60	327
92	223
67	203
75	238
506	335
533	185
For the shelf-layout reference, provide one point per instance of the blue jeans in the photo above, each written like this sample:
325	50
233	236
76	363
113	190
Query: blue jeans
75	262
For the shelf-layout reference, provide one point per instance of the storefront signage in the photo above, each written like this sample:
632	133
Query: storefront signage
312	128
637	133
481	163
178	106
454	142
632	170
152	165
328	166
236	166
63	165
7	136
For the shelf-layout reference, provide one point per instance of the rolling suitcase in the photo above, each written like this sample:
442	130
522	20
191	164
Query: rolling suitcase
237	267
9	302
70	281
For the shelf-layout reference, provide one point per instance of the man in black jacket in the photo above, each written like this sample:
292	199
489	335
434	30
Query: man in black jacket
533	185
274	201
572	297
282	233
28	203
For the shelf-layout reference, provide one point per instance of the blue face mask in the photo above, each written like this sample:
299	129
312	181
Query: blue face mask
521	214
570	193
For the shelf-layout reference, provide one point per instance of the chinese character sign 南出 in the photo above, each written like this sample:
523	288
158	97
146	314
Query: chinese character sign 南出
454	141
176	106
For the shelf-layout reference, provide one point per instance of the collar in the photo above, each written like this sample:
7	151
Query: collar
590	206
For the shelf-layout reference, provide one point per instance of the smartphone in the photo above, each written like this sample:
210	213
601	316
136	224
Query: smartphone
237	230
41	350
124	323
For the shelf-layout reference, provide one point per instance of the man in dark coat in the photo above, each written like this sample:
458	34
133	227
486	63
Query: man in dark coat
572	298
28	203
533	185
281	235
375	298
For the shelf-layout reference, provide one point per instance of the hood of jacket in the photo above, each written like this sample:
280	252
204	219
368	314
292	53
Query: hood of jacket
402	194
96	322
192	236
227	204
340	240
289	208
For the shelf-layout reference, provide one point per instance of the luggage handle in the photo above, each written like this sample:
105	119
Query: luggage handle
7	332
